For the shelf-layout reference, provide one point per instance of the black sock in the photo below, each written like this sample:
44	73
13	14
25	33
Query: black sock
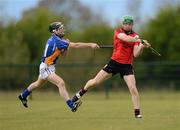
137	112
79	94
82	92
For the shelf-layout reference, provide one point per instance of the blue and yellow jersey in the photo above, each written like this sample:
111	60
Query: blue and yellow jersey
54	47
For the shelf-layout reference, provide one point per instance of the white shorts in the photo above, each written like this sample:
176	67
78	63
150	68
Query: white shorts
45	70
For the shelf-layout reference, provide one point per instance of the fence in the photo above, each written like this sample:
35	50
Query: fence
154	75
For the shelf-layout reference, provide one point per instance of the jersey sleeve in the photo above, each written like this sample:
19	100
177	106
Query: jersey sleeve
117	31
136	43
62	44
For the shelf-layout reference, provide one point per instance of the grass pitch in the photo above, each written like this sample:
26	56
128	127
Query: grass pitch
47	111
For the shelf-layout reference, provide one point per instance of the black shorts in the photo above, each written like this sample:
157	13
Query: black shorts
116	67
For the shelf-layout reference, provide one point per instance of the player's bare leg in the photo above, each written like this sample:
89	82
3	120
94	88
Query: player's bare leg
36	84
23	96
58	81
99	78
131	83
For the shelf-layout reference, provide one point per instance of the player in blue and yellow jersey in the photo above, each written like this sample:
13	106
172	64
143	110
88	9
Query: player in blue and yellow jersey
55	47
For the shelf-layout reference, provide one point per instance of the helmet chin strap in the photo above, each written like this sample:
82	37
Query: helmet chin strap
59	35
128	32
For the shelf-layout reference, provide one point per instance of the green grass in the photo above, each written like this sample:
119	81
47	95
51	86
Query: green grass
47	111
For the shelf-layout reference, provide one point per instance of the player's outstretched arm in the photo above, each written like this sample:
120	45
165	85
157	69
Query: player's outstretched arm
83	45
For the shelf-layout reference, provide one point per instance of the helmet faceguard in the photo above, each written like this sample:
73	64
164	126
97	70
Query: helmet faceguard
55	26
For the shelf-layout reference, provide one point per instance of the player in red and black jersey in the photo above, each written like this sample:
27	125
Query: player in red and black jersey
126	46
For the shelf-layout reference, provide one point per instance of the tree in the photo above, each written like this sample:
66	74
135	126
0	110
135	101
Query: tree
98	33
163	33
34	23
73	13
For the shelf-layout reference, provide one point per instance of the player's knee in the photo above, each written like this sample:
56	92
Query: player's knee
61	84
134	91
36	84
94	82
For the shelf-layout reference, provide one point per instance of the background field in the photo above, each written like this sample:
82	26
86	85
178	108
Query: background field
47	111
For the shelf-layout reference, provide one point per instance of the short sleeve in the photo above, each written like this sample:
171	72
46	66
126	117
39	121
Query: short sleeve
62	44
117	31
